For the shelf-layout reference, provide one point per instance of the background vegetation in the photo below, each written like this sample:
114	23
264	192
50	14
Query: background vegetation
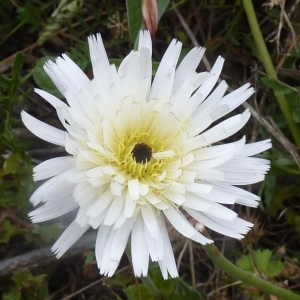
31	30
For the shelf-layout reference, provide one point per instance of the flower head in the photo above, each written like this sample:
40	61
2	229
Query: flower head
141	152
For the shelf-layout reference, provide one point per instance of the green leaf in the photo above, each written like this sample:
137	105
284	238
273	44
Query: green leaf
264	261
184	292
120	280
261	259
244	263
4	82
63	14
270	185
13	163
274	268
16	72
33	287
162	6
42	79
276	86
10	231
13	294
135	17
166	287
89	258
137	292
48	233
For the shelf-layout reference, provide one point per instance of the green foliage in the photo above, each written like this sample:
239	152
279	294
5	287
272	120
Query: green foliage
27	15
48	233
62	15
263	262
30	15
27	286
15	165
135	292
9	231
171	289
268	189
135	18
278	87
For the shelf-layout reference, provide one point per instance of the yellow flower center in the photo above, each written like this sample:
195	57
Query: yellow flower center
137	154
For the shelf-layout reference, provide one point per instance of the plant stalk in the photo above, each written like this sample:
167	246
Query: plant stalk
270	70
147	281
247	277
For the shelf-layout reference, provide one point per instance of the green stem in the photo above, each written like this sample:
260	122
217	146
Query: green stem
151	287
247	277
268	65
146	280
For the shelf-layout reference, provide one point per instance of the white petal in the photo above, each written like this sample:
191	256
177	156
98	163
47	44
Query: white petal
139	249
180	223
189	64
104	200
206	221
150	220
166	68
43	130
81	218
98	221
219	150
206	88
221	212
211	163
119	242
84	193
71	70
68	238
197	203
133	189
145	40
255	148
174	197
198	188
52	210
53	190
98	54
167	263
114	211
52	167
218	132
243	197
54	101
130	205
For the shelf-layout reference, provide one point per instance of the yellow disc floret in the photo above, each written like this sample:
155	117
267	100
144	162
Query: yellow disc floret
136	154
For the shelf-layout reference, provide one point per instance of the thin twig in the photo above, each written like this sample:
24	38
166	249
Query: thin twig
180	256
192	265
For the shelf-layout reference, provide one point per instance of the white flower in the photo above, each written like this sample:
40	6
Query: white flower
141	152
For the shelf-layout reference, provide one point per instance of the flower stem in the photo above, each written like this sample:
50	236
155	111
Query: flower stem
146	280
151	287
247	277
268	65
